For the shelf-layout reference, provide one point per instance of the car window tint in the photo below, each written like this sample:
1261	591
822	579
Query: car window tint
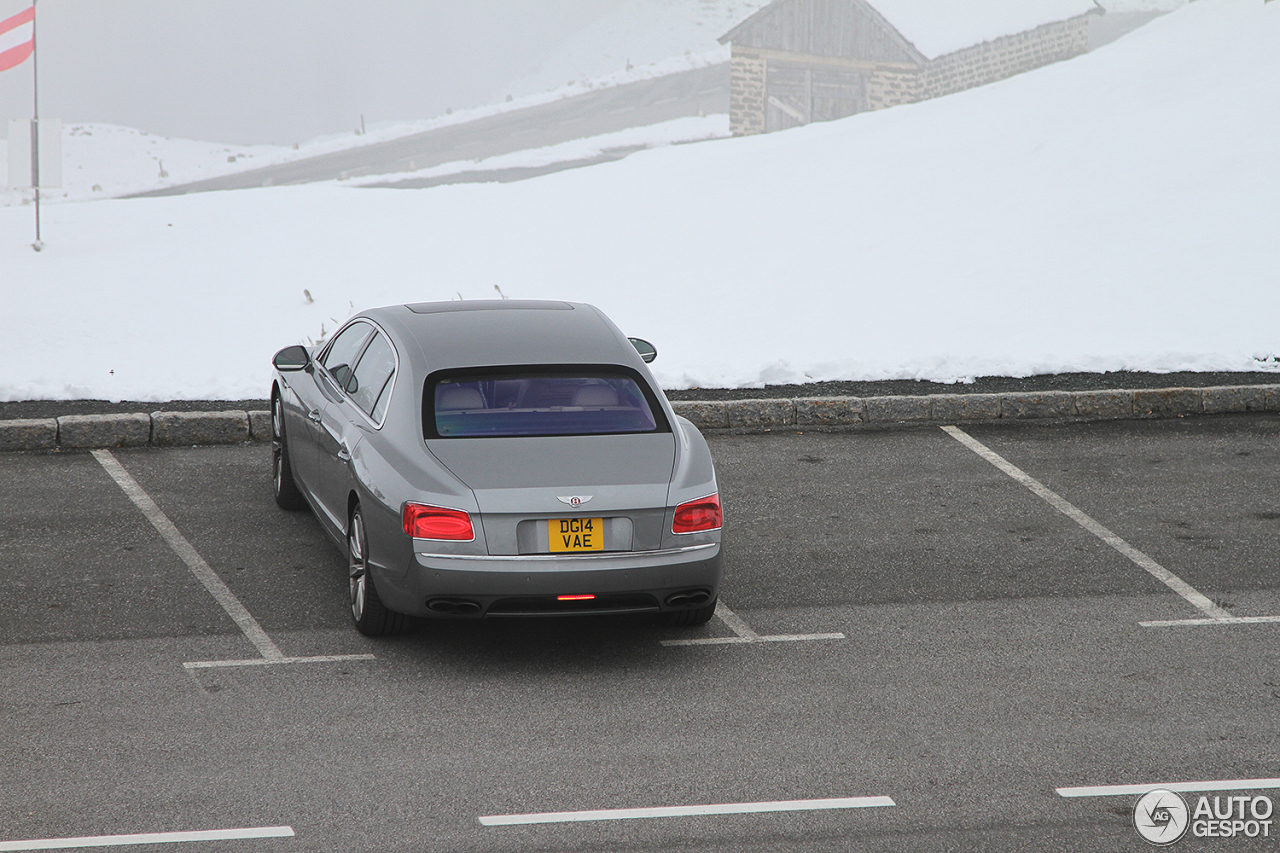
342	352
372	377
538	404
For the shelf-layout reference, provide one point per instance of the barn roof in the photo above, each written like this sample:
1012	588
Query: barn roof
939	27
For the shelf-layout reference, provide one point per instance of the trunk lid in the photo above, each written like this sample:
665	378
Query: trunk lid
521	481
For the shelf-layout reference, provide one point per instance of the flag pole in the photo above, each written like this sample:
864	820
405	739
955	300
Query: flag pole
35	124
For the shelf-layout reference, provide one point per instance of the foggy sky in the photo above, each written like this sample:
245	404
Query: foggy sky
278	71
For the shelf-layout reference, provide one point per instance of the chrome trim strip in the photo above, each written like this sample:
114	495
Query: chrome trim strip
609	555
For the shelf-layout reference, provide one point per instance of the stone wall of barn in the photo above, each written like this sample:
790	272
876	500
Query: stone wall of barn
747	70
891	84
1004	57
889	87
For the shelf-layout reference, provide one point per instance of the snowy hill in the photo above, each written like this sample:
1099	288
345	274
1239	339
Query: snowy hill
635	40
1114	211
639	34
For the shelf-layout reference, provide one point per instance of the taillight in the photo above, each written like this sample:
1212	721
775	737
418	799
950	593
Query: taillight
695	516
433	522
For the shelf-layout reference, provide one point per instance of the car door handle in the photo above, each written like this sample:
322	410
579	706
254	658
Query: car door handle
314	416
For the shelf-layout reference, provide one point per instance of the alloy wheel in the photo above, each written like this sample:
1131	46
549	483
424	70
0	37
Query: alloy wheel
356	565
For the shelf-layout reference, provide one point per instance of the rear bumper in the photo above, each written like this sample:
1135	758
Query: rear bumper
635	581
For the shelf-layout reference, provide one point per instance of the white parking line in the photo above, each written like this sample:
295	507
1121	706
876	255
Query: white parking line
188	554
744	633
735	623
687	811
210	664
1159	572
1134	790
1234	620
221	593
148	838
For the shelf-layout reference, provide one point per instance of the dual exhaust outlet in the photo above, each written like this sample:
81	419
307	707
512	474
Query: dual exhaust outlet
689	598
453	606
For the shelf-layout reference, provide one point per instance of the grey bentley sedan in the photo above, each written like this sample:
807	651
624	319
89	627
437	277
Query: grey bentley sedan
497	458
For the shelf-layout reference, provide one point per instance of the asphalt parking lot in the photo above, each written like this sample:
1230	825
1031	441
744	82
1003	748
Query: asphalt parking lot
918	651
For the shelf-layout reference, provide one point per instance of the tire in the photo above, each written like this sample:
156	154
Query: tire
282	483
693	617
370	615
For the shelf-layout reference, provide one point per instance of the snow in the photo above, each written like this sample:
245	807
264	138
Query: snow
104	161
1115	211
939	27
673	132
1124	6
107	161
639	33
637	40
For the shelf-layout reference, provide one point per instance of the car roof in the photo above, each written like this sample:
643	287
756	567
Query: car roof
495	332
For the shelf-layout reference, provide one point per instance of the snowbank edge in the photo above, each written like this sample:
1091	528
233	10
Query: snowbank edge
180	429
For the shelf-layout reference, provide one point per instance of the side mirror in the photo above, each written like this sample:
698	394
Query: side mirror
295	357
648	352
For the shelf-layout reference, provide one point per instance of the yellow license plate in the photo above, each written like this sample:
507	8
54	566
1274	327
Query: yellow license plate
576	534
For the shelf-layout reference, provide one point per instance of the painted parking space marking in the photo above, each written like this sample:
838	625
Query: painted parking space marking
1234	620
207	577
1197	599
744	635
688	811
148	838
735	623
211	664
1137	790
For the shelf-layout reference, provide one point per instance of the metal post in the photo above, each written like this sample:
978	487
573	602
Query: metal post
35	124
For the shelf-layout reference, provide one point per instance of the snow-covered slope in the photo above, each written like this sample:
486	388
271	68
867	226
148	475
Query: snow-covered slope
635	40
103	160
638	34
1113	211
938	27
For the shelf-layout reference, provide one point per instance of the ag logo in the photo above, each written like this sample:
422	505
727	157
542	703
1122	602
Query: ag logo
1161	816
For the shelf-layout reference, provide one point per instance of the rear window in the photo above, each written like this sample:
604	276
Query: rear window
538	402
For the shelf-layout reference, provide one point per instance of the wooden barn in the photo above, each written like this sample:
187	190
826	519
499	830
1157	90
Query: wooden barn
797	61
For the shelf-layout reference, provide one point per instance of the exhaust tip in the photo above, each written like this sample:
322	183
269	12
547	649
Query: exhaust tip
689	598
453	606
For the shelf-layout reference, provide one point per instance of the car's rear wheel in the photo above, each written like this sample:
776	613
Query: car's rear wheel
282	483
371	616
693	616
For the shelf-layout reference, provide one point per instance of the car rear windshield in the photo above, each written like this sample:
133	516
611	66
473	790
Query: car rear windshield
537	402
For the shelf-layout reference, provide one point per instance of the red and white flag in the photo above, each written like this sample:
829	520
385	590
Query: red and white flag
17	38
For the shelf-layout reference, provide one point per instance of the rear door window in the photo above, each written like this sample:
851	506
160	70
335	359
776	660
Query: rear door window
339	358
538	402
370	383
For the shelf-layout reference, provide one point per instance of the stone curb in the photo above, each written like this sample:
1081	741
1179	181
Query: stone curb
158	429
173	429
84	431
952	408
170	429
